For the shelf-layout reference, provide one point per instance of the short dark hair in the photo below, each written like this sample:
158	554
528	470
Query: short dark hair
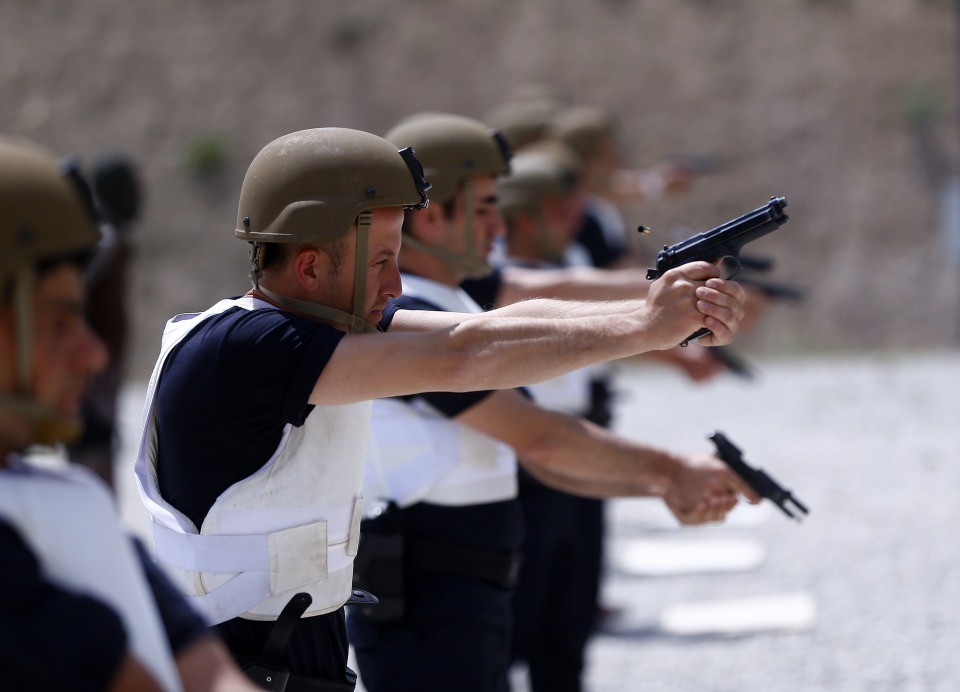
334	251
275	255
80	260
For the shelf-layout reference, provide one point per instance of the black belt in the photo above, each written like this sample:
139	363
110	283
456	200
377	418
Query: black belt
498	568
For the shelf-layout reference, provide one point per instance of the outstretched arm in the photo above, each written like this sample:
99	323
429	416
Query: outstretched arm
527	342
573	455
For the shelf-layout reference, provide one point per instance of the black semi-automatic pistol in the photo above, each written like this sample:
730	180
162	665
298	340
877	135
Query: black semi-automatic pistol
758	479
724	241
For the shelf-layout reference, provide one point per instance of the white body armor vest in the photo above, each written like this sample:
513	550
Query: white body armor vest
292	526
70	522
568	393
419	455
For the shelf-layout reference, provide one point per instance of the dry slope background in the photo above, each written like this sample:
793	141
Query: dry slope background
805	98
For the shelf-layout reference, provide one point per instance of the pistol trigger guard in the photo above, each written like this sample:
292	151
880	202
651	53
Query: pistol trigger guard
731	263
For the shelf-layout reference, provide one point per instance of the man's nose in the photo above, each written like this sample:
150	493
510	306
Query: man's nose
393	286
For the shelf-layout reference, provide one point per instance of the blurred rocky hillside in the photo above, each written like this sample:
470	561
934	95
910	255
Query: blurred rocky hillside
847	107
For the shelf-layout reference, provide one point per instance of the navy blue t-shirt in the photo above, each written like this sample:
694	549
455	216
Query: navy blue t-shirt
485	289
603	250
224	396
40	623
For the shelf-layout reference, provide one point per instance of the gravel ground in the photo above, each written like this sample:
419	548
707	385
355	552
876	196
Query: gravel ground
869	444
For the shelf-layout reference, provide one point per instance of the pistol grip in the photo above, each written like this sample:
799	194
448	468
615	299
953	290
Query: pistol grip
699	334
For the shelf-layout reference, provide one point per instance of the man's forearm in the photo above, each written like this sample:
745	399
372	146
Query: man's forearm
594	489
536	340
561	308
570	453
526	343
480	352
585	459
554	308
507	352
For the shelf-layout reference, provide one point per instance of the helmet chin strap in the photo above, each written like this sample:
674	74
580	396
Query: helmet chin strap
47	426
474	267
355	322
23	314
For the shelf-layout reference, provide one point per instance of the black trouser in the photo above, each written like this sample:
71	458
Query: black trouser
315	654
428	654
447	622
555	602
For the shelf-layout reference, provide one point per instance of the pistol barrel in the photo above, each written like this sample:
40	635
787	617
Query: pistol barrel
758	479
724	240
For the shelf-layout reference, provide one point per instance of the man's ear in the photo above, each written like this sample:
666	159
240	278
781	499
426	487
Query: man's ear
310	266
426	225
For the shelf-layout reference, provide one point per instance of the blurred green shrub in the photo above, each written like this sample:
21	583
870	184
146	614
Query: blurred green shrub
207	154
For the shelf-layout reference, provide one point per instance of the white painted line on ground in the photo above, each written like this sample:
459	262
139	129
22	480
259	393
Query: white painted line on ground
661	556
783	612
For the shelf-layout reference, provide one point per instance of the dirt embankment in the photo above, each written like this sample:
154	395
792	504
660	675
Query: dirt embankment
805	98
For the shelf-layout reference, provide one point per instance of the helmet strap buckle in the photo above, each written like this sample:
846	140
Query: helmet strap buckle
256	263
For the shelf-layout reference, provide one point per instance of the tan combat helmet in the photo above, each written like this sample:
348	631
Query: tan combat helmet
592	131
523	122
311	187
585	128
453	149
42	220
542	171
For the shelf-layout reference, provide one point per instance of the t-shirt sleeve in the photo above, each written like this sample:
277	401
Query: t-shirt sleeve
51	638
388	314
270	362
485	289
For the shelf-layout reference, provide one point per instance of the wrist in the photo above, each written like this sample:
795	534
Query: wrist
662	473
